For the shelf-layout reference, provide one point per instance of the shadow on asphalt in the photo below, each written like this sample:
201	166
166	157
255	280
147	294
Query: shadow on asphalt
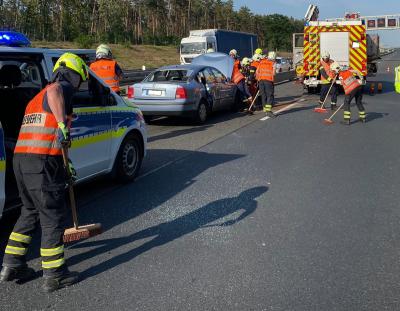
111	203
177	133
163	233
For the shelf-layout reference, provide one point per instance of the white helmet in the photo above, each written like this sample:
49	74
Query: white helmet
272	55
210	50
335	67
245	61
233	52
103	51
257	57
325	54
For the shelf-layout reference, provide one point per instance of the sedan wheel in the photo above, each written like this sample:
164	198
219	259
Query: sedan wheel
202	113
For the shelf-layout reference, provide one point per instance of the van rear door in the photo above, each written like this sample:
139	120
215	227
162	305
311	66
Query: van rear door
2	171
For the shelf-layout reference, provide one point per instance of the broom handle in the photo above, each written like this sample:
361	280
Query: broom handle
327	94
254	100
70	188
333	114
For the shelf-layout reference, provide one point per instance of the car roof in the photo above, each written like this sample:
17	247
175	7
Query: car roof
183	67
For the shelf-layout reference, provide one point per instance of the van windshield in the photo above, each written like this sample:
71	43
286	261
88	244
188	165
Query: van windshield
193	48
169	75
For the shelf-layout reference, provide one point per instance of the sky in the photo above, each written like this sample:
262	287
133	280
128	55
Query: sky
330	9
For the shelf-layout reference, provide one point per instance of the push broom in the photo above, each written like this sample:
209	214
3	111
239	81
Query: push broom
322	109
329	121
77	232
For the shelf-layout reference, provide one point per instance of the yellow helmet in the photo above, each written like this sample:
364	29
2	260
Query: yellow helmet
245	61
73	62
272	55
103	51
258	51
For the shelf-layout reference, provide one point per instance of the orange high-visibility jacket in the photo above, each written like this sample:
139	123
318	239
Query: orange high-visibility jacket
349	81
105	69
265	70
38	133
327	68
237	76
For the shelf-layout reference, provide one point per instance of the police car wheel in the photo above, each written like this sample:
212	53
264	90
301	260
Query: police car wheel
129	159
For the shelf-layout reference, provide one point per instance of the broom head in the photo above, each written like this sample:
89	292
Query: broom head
83	232
328	121
320	110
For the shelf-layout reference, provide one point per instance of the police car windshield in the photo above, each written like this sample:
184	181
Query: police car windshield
169	76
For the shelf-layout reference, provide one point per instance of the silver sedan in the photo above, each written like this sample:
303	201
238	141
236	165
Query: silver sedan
185	90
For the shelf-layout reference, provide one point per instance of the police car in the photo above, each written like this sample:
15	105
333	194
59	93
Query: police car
108	134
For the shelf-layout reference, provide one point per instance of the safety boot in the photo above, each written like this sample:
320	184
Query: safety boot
270	114
363	120
53	283
333	106
22	273
345	122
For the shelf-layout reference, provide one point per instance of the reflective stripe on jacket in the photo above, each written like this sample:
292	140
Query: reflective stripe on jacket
39	130
327	69
105	69
349	81
265	70
237	76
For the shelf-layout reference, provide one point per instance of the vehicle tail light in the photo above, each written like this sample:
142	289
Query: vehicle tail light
305	66
364	66
131	92
180	93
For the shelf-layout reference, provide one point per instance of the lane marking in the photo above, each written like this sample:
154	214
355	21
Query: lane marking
265	118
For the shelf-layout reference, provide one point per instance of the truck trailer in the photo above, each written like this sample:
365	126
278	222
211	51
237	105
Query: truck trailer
199	41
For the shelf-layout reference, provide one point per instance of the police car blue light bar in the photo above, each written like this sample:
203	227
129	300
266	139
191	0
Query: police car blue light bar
12	38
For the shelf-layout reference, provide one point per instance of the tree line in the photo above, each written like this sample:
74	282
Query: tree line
157	22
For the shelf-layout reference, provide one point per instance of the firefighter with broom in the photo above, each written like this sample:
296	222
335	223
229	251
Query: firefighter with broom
352	89
41	178
328	79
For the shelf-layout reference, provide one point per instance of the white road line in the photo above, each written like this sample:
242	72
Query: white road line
265	118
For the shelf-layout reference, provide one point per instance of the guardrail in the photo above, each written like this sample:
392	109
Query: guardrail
134	76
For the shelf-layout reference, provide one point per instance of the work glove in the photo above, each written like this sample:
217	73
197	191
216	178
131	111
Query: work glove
71	172
64	136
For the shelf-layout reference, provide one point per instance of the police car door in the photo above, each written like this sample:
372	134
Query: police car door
2	171
91	129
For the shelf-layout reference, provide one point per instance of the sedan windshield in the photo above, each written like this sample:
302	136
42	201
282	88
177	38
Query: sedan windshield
169	75
193	48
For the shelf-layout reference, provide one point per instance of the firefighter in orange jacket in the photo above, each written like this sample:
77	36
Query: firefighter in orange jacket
352	89
107	68
41	178
265	75
238	78
327	77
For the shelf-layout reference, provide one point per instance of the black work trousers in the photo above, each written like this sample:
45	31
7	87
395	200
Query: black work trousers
357	94
324	92
267	93
41	183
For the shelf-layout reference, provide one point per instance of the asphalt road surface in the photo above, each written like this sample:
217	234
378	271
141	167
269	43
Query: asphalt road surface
244	213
